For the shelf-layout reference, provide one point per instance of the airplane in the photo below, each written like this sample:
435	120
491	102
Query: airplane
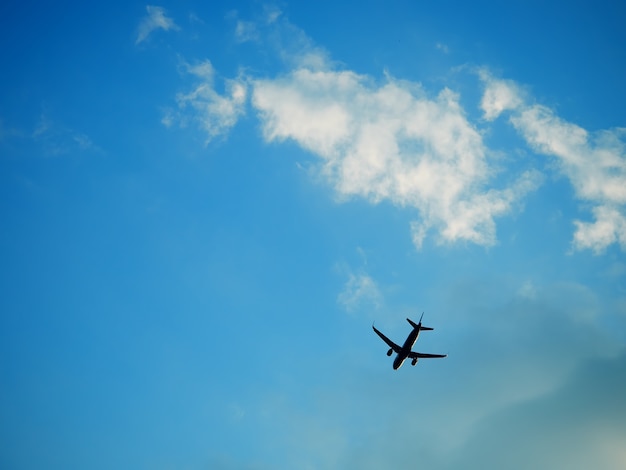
405	351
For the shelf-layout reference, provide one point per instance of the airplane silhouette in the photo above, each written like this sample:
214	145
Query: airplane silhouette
405	351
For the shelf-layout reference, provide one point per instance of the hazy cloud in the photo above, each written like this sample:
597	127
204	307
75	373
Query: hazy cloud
528	290
579	425
272	13
155	19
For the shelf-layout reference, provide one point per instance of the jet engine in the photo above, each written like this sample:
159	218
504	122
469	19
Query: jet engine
389	352
414	361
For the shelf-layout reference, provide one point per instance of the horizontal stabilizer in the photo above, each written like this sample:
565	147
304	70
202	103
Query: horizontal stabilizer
418	325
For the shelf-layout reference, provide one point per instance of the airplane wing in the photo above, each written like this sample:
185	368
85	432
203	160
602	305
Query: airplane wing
416	355
390	343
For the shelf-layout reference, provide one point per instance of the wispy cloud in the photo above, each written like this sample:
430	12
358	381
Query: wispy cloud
272	13
214	113
58	139
442	47
155	19
360	290
255	30
8	132
594	162
246	31
273	32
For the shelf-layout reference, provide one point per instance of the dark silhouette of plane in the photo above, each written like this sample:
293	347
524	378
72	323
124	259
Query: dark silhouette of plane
405	351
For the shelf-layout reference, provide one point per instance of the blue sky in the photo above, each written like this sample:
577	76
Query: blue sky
205	207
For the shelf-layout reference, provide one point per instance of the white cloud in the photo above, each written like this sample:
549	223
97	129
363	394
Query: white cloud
608	228
154	20
215	113
499	95
391	142
595	163
597	169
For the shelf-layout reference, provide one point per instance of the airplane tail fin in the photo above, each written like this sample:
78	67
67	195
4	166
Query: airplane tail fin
419	325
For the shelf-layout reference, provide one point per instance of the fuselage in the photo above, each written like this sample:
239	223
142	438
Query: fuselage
406	348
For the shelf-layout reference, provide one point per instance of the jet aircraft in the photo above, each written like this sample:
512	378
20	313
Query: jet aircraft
405	351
